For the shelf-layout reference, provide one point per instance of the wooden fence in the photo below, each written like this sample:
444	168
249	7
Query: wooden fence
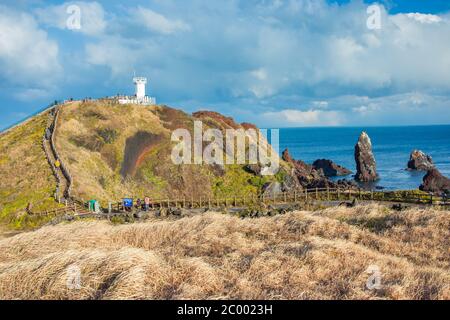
310	195
72	209
63	168
322	196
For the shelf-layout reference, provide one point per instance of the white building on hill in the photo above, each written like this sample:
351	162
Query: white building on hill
140	97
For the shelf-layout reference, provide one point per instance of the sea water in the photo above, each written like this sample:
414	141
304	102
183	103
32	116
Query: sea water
391	146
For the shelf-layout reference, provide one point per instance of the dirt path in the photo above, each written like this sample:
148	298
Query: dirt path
62	179
63	184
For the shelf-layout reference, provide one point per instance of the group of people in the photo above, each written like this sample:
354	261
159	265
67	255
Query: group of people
140	204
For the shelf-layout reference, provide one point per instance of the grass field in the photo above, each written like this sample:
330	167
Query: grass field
300	255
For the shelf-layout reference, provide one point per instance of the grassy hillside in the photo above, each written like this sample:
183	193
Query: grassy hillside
116	151
302	255
25	176
112	151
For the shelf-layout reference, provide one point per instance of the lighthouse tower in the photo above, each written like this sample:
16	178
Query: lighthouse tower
140	83
140	96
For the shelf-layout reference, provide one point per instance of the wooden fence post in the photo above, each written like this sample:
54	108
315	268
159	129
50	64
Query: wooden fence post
295	196
328	193
317	193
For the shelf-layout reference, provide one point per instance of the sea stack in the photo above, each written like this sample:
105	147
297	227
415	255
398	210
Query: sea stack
366	167
420	161
330	169
435	182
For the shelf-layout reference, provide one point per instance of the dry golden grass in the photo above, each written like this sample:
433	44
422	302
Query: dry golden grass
25	175
95	165
301	255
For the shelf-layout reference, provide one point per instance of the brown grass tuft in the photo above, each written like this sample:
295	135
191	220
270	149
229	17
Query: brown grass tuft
302	255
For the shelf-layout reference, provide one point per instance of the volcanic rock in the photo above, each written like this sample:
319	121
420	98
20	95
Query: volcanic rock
307	176
254	169
420	161
435	182
366	168
272	189
330	169
290	182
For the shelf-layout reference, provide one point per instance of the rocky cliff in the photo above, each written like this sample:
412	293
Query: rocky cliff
366	167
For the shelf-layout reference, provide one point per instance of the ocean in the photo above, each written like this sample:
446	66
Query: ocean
391	146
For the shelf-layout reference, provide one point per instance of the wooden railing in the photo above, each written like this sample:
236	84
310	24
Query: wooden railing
73	209
64	169
309	195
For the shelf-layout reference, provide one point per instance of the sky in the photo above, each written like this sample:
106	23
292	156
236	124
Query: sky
276	63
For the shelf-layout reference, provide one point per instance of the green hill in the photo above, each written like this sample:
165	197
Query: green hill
25	175
112	151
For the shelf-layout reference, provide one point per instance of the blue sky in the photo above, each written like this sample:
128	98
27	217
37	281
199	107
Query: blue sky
277	63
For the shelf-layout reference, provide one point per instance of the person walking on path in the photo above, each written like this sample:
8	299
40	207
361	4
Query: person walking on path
147	203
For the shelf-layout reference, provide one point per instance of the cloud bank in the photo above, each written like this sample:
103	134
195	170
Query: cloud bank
277	63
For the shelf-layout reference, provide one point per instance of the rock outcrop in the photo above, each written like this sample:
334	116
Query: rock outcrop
330	169
307	176
272	189
420	161
366	168
435	182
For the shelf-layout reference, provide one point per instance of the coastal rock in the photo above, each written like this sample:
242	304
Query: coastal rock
347	184
366	168
435	182
254	168
301	168
420	161
290	182
330	169
307	176
272	189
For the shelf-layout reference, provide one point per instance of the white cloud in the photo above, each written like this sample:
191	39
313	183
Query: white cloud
120	55
157	22
292	117
92	17
320	104
250	54
366	109
424	18
28	58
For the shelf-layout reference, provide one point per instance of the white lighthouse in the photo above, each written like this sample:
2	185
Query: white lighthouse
140	96
140	83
